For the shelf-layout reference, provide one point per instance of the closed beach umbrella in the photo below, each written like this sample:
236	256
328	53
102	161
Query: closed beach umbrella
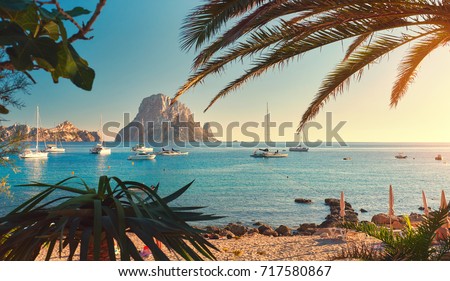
425	204
342	205
443	200
444	205
391	201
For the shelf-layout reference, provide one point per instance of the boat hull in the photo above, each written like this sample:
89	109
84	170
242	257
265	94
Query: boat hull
33	155
142	157
173	153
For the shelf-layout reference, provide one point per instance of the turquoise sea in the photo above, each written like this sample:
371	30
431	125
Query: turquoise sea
231	183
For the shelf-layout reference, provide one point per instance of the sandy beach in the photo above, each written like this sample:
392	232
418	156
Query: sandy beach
257	247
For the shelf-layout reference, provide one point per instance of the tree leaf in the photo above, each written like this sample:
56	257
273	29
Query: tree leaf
22	55
52	30
14	5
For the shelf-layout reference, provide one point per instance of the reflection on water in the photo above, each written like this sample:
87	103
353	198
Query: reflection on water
34	169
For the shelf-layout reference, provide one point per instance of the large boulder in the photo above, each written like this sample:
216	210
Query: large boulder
236	229
303	201
283	230
383	219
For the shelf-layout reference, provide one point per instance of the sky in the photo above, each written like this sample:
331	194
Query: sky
136	53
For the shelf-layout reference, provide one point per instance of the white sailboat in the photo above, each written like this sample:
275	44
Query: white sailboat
53	148
141	147
99	148
34	154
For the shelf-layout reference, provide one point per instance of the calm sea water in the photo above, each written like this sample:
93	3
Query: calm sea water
231	183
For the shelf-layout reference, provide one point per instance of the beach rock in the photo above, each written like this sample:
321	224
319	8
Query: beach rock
383	219
306	226
263	228
236	229
65	132
414	217
258	223
160	118
283	230
303	201
307	229
226	233
363	210
334	219
270	232
252	231
213	229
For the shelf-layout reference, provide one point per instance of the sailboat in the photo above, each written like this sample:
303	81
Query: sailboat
53	148
141	147
99	148
34	154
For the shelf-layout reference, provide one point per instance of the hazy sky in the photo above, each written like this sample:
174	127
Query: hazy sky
136	53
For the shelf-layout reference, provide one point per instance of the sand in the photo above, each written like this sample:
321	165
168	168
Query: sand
257	247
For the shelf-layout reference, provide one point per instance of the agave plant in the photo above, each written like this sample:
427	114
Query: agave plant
96	221
416	244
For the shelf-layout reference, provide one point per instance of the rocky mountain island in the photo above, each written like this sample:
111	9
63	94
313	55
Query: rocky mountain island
65	131
164	122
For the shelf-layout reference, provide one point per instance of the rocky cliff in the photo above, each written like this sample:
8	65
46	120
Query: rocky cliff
65	131
163	122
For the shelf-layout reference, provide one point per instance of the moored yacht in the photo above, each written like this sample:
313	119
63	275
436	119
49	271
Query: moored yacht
401	156
265	153
53	148
99	148
299	148
172	152
34	154
142	156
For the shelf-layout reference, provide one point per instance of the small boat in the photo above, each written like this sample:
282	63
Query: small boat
142	148
438	157
34	154
401	156
347	158
265	153
100	149
53	148
172	152
299	148
142	156
5	158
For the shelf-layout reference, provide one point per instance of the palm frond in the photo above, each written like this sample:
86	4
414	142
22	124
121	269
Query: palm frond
334	83
409	64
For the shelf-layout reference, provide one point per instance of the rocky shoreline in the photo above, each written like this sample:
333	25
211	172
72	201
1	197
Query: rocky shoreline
332	220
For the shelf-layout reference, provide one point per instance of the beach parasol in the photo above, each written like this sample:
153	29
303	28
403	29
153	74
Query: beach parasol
443	201
391	205
425	204
342	205
444	205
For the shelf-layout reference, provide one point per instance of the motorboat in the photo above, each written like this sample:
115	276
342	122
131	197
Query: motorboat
172	152
142	156
5	158
36	153
53	148
265	153
347	158
142	148
401	156
438	157
100	149
299	148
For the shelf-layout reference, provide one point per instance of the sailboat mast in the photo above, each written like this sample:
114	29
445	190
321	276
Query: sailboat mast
101	128
143	131
37	128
